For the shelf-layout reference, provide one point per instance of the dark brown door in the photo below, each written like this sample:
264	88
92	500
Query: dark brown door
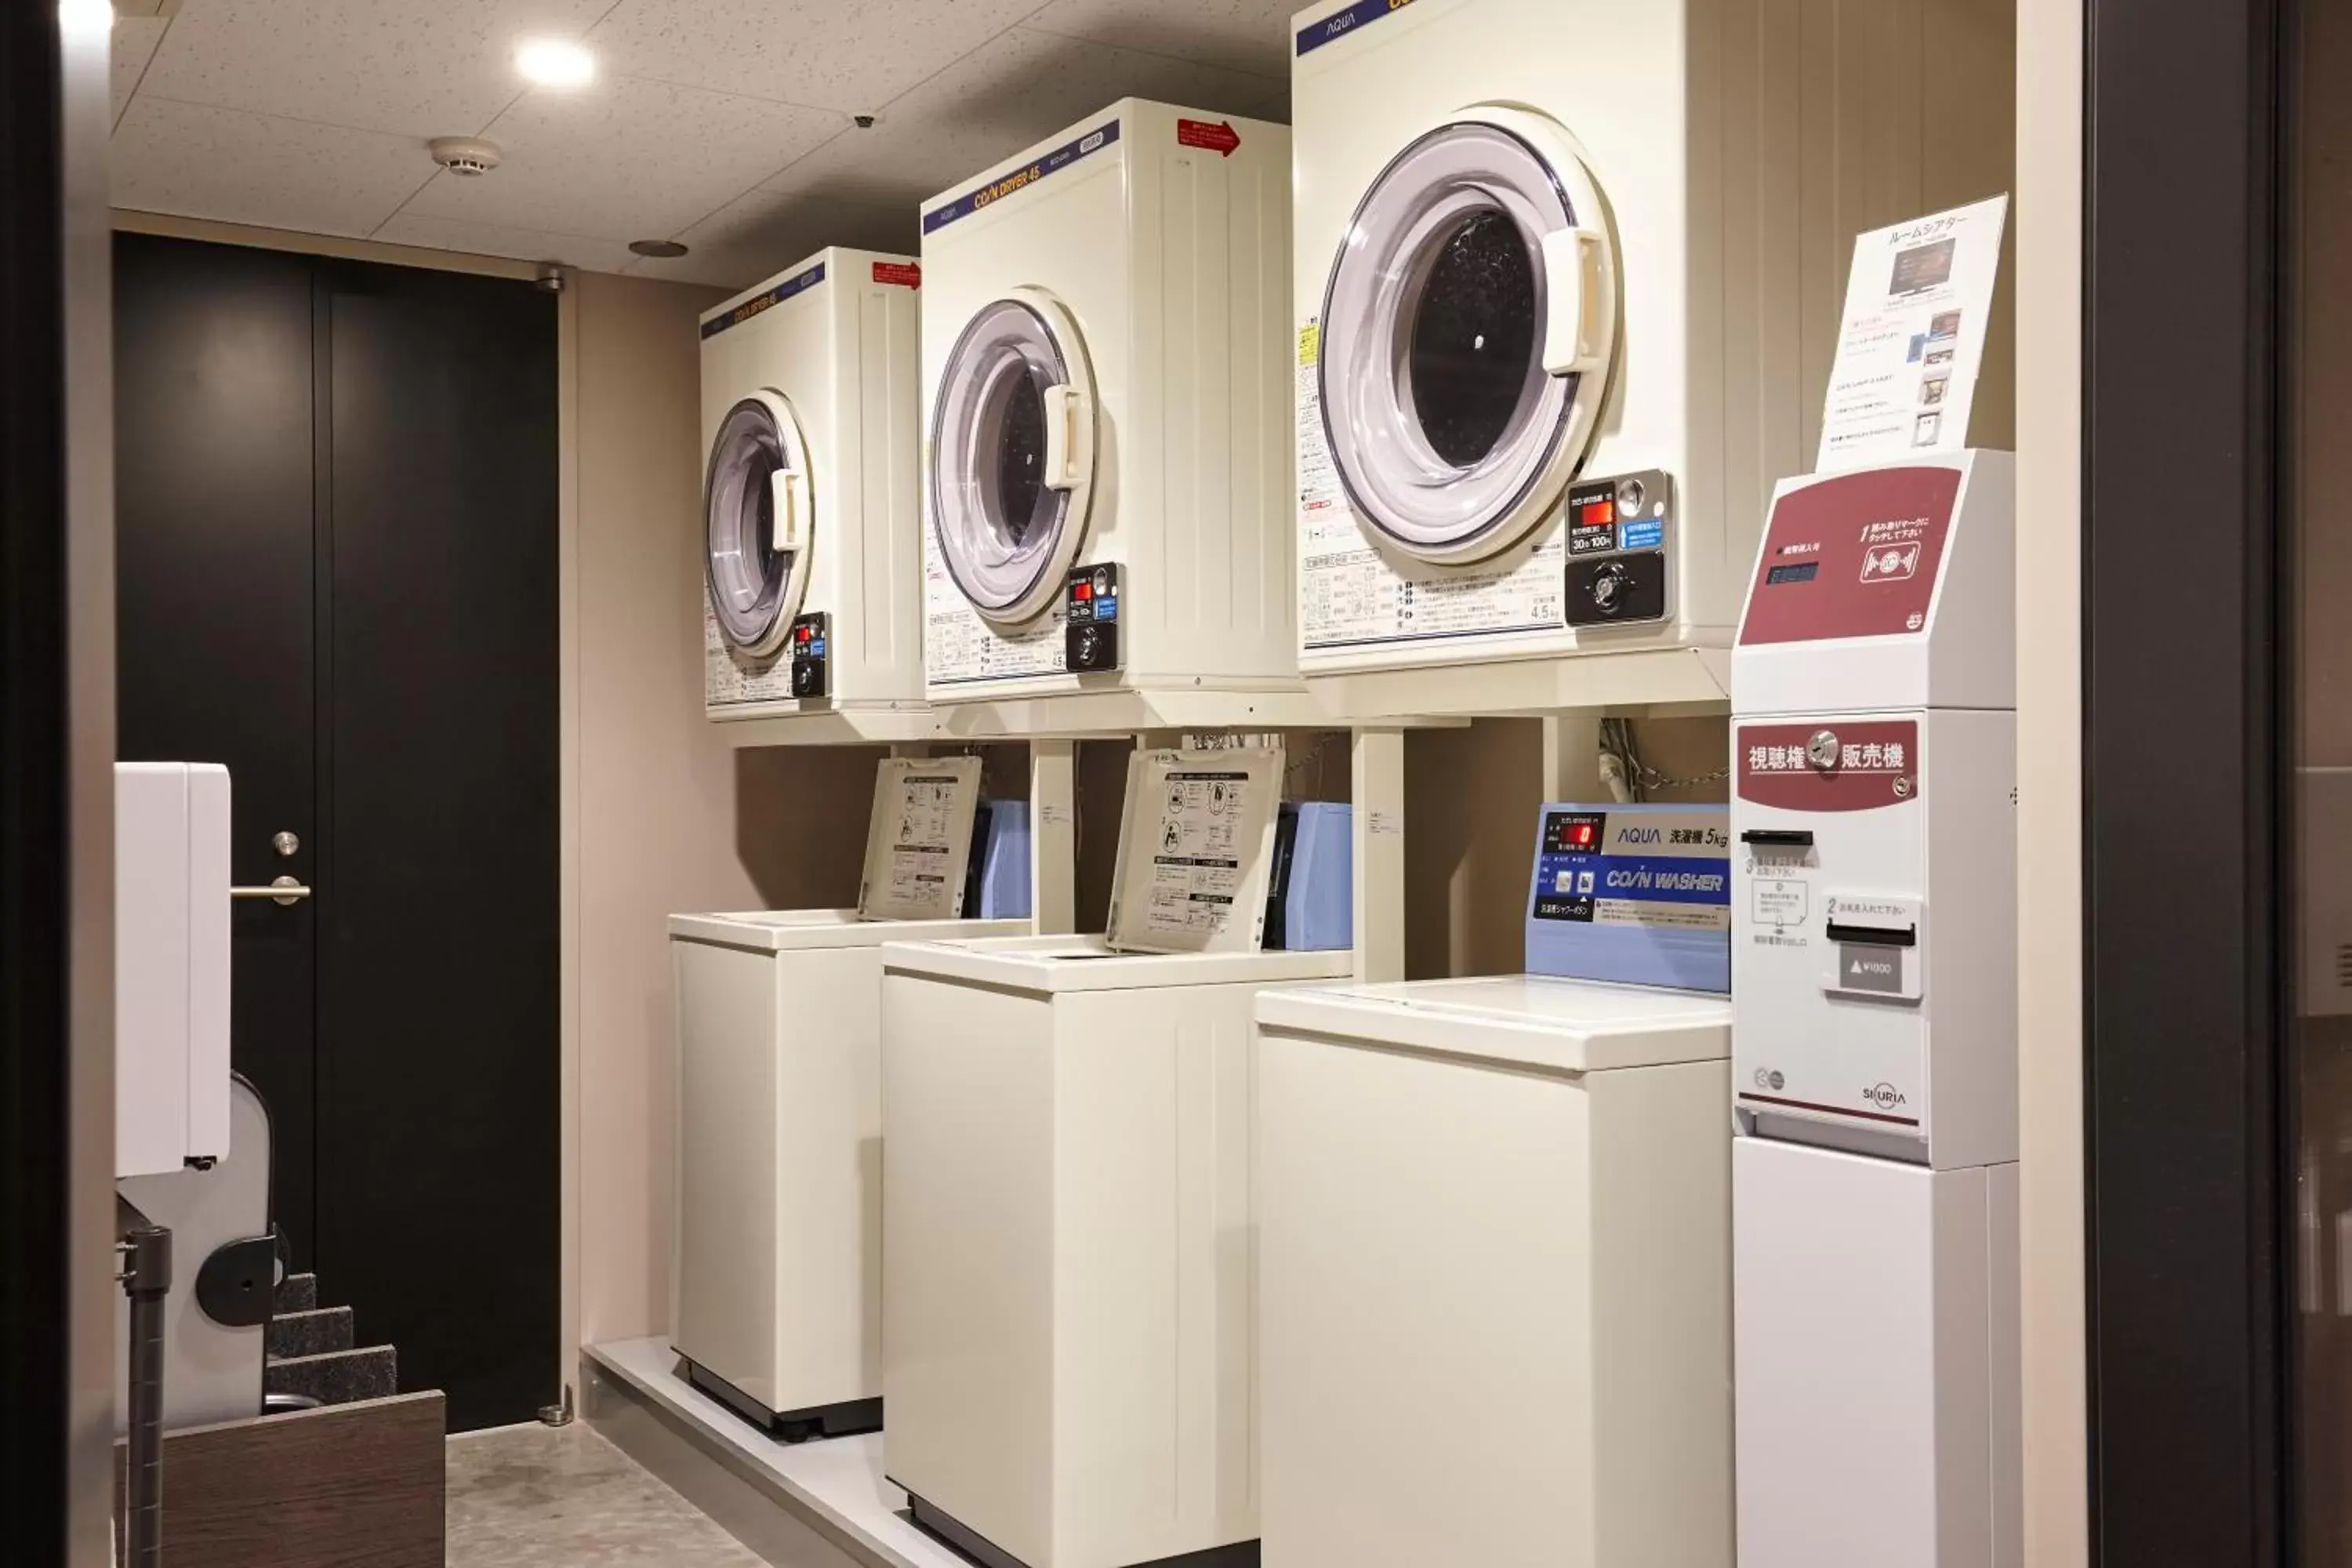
337	545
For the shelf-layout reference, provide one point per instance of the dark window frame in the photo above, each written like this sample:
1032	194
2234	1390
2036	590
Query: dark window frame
2188	1128
36	1155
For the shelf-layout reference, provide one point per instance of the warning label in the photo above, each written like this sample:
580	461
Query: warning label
1215	136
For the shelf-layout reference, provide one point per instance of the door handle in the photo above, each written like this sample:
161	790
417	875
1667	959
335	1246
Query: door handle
281	890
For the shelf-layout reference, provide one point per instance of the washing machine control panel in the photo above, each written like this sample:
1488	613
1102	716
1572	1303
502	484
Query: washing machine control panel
812	646
1620	529
1090	625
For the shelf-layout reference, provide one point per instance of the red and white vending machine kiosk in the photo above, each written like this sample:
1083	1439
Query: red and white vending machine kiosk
1874	1041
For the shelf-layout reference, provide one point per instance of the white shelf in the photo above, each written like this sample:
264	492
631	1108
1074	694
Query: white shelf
834	1483
1656	682
883	724
1129	712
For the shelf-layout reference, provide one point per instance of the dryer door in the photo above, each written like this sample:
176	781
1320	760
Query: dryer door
759	523
1012	454
1467	332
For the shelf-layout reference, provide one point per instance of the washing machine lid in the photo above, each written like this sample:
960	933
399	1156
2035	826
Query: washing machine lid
1534	1020
1195	850
1048	966
1468	327
919	839
759	505
1012	454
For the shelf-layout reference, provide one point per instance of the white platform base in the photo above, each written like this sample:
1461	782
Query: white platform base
808	1505
1874	1306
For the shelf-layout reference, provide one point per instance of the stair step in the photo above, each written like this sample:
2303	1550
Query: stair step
336	1377
297	1293
313	1332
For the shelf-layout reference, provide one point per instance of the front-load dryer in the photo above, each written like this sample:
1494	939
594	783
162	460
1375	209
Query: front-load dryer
811	567
776	1304
1105	371
1568	280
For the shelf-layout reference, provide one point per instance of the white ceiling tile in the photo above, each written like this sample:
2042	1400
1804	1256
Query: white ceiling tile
626	159
763	233
1021	87
421	68
853	56
1239	35
135	42
497	239
195	161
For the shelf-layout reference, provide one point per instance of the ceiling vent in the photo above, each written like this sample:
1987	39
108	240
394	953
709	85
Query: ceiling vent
466	155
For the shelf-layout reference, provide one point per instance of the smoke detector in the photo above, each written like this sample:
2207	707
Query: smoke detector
466	155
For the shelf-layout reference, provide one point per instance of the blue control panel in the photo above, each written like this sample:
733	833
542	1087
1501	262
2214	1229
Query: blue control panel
1640	895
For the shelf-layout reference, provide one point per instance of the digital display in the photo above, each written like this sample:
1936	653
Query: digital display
1594	512
1573	833
1801	572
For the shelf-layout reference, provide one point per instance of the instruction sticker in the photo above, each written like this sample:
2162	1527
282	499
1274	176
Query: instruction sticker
729	677
961	647
1197	862
1351	595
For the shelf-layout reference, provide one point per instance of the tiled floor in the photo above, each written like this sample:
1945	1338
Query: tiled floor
549	1497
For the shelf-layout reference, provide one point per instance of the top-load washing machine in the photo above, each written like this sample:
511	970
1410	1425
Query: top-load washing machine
1563	267
1068	1188
812	596
776	1307
1495	1213
1106	479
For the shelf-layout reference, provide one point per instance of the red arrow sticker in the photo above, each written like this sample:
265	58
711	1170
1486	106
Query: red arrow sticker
909	273
1220	138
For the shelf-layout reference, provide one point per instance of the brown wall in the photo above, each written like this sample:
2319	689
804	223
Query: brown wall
670	817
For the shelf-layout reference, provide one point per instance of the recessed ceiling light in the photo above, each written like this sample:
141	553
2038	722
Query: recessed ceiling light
659	250
555	62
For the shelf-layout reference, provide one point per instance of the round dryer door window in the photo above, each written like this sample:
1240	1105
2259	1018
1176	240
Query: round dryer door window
1467	336
1012	439
759	519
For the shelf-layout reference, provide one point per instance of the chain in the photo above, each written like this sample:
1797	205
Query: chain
1651	778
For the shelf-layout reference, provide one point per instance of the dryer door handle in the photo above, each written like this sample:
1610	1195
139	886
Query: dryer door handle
788	492
1069	436
1572	285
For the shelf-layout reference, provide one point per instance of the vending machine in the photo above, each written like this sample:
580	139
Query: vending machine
1874	1038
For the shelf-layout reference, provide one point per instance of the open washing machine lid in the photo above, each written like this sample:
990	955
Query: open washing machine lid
919	839
759	508
1468	329
1195	850
1013	455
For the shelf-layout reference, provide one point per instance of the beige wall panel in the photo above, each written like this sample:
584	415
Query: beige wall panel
2048	226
